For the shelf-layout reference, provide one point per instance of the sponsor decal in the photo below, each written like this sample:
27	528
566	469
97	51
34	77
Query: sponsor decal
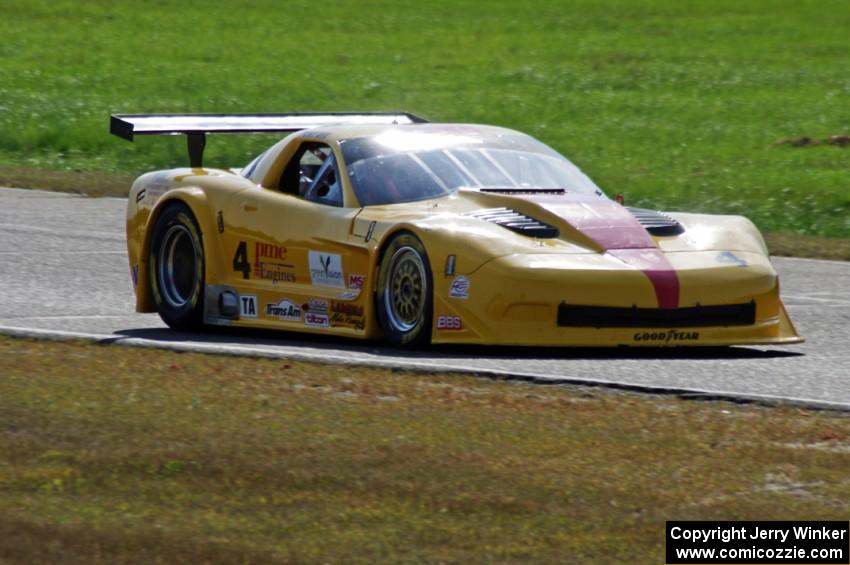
730	258
347	315
343	320
269	263
348	295
347	308
316	305
157	186
326	269
449	323
316	320
284	310
459	288
274	272
356	282
269	251
248	306
141	195
666	336
134	275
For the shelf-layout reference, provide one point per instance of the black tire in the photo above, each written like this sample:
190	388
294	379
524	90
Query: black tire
404	294
176	268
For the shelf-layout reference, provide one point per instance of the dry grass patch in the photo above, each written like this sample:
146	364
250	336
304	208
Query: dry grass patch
115	454
76	182
798	245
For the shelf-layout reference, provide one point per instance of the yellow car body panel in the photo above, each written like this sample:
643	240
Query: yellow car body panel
306	266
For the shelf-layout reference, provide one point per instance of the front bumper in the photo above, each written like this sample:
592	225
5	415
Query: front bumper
515	300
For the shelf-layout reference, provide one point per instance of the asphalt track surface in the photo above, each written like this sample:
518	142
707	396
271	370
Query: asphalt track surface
64	274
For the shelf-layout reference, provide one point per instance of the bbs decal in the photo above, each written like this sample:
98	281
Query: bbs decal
449	323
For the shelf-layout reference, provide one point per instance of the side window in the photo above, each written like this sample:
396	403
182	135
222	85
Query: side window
303	168
325	188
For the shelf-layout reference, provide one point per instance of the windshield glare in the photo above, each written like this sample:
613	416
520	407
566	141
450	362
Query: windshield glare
423	166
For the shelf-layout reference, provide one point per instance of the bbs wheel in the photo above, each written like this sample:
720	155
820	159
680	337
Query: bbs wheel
176	263
404	292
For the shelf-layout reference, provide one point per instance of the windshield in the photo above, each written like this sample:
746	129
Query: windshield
405	166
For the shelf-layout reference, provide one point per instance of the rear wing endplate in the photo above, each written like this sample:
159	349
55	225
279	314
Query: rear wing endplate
196	126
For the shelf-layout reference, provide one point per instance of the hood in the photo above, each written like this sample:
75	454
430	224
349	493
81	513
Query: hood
613	229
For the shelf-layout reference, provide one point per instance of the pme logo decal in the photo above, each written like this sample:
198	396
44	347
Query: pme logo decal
326	269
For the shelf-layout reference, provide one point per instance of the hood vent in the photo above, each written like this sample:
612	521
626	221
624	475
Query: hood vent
515	221
657	223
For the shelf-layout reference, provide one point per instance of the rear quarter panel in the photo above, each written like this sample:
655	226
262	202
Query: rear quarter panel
205	191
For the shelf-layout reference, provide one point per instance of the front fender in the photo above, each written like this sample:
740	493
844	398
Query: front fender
709	232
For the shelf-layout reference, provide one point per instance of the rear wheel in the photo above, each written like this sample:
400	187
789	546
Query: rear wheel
405	292
177	268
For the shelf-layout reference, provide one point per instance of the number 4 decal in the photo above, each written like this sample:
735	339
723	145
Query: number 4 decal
240	260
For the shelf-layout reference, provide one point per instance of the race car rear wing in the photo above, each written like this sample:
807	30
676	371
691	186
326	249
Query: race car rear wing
196	126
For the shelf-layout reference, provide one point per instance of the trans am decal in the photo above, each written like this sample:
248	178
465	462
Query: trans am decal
284	310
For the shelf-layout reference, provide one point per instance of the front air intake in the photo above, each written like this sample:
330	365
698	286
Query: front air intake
573	315
657	223
516	221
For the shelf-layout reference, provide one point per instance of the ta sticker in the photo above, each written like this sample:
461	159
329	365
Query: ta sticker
248	306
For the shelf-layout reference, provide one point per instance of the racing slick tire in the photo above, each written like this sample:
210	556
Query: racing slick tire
405	300
176	270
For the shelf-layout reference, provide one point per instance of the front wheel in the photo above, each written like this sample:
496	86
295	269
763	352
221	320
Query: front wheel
404	292
176	263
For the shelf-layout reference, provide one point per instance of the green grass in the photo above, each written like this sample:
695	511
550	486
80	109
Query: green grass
113	454
678	105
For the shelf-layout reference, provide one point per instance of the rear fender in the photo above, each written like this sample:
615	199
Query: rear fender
196	199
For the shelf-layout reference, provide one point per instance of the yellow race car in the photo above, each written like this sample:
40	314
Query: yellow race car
370	225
